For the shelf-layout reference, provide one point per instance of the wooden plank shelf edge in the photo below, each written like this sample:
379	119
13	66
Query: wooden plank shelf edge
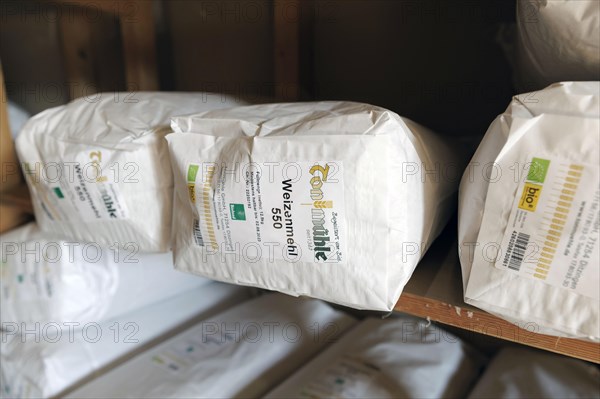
481	322
435	292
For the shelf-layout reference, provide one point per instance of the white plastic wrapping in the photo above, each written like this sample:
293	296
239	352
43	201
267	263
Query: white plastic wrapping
558	40
528	213
525	373
240	353
333	200
47	279
98	167
55	363
400	357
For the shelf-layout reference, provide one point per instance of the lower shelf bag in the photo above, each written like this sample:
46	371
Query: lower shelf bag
399	357
240	353
47	362
529	205
526	373
332	200
48	279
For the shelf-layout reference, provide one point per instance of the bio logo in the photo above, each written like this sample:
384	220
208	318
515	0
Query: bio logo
533	186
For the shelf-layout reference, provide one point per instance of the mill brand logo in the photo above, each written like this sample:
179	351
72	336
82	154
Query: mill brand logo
533	186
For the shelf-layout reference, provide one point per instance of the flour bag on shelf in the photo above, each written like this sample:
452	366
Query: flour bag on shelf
98	168
240	353
48	279
388	359
528	213
526	373
48	362
333	200
557	41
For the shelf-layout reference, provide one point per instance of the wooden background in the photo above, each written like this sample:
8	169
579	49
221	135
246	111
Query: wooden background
435	61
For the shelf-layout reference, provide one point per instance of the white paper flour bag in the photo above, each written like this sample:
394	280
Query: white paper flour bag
526	373
240	353
98	168
558	40
49	362
47	279
393	358
528	213
333	200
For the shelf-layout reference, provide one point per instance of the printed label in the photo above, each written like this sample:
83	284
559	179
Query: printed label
192	349
530	196
347	378
24	283
292	211
83	189
552	234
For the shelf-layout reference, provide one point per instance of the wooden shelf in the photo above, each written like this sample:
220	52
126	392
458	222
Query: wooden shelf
18	198
435	292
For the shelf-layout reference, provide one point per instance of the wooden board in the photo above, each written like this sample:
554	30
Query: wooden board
80	37
11	182
435	293
287	45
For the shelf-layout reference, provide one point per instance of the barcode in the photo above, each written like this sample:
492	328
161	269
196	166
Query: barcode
198	233
518	251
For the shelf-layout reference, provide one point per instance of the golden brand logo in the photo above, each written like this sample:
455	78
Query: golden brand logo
96	157
530	197
323	204
321	238
320	204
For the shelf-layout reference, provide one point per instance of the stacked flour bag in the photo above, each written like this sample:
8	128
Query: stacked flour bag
45	361
333	200
49	279
557	41
240	353
526	373
392	358
528	213
98	167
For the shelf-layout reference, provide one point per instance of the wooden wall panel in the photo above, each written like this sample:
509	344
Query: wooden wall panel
91	51
15	205
434	61
31	56
224	46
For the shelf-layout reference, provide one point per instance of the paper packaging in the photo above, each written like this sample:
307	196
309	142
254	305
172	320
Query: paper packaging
46	279
98	167
46	368
557	41
333	200
525	373
240	353
528	213
391	358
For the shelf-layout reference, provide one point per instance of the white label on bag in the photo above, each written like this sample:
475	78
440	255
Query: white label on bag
84	189
24	283
204	343
270	210
552	234
348	378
